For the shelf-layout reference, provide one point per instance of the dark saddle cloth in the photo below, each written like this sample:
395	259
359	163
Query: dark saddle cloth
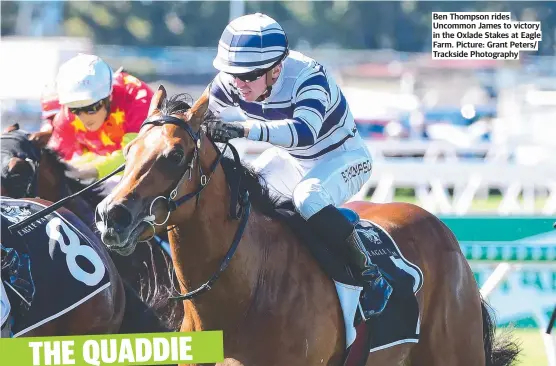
49	267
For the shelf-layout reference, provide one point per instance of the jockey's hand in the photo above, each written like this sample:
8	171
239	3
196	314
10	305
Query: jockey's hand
82	173
219	131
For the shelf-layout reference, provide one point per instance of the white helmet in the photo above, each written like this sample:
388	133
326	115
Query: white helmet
84	80
251	42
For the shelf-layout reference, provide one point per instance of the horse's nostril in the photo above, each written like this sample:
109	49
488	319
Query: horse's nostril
119	216
110	238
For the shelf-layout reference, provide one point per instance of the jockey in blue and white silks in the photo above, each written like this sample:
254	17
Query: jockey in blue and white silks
319	160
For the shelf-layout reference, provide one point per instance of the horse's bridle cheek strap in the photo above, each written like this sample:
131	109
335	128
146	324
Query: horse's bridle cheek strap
235	187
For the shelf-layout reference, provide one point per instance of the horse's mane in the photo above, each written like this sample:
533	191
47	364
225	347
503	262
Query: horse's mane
259	194
93	197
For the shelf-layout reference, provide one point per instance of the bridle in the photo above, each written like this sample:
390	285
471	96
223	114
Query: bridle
239	196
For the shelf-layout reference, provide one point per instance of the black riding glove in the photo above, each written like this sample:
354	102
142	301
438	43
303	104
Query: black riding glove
219	131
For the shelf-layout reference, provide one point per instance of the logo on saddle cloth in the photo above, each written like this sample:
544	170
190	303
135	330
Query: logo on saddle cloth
374	242
387	256
15	214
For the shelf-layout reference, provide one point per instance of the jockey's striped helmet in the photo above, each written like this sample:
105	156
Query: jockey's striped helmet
251	42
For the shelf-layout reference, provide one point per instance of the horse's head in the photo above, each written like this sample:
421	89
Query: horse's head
161	164
20	160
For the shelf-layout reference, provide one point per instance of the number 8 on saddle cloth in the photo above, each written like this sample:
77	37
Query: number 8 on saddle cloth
47	266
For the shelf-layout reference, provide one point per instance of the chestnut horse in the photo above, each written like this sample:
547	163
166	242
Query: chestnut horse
30	169
57	303
274	303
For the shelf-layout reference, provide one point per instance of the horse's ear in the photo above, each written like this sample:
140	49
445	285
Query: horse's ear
156	101
197	112
11	128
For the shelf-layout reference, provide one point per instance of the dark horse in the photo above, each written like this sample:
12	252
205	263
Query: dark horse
274	303
30	169
64	284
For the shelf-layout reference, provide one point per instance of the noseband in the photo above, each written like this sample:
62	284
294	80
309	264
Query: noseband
239	196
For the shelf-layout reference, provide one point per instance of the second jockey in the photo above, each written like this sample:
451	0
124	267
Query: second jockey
101	112
50	106
319	160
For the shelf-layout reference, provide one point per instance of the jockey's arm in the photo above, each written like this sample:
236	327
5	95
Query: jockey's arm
85	158
301	130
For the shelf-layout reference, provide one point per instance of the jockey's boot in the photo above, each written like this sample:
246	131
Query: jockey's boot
340	233
369	275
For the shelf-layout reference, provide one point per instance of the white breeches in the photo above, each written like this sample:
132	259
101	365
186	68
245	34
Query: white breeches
313	185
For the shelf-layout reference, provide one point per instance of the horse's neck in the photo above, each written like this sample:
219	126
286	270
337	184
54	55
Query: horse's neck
52	186
200	243
50	180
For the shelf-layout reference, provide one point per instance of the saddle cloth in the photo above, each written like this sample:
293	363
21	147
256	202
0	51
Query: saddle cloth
399	322
53	266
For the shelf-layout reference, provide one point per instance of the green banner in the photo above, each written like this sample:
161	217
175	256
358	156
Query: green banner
488	228
114	349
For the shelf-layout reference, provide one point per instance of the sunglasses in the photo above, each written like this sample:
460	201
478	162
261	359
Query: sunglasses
250	76
90	109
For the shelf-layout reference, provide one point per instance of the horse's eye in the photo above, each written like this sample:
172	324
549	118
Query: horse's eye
176	156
